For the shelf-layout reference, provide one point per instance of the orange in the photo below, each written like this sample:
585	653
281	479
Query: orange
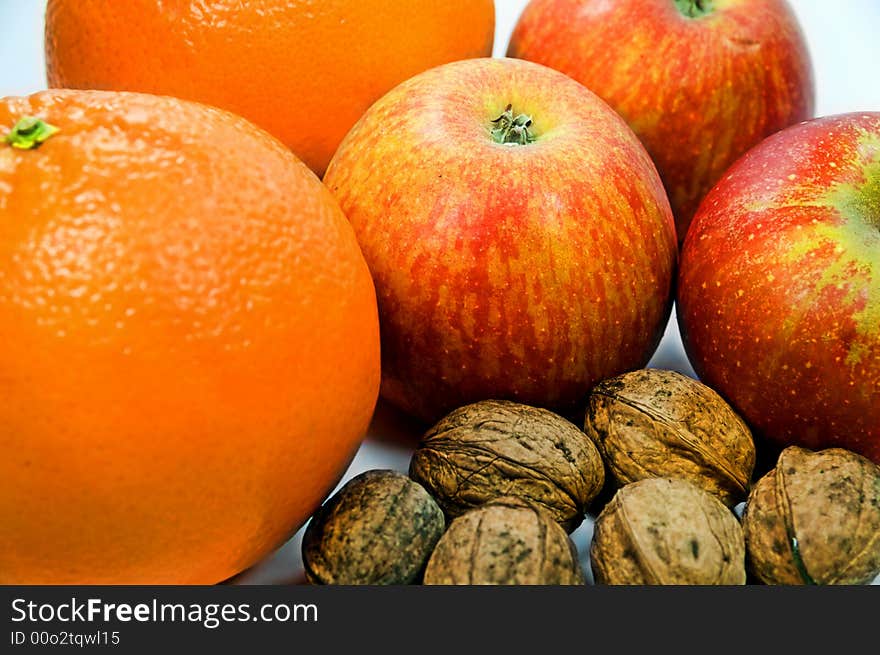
191	341
305	71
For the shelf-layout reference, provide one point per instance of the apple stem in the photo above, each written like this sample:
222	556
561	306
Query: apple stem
512	130
694	8
29	132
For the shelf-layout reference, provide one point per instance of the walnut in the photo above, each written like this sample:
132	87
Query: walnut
499	448
815	519
378	529
507	541
665	531
656	423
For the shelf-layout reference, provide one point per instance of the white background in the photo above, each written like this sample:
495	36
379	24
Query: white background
845	48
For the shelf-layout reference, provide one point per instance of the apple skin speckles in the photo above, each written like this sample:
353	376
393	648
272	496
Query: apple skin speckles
807	253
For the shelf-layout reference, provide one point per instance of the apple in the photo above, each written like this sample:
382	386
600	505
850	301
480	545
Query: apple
779	288
518	233
699	81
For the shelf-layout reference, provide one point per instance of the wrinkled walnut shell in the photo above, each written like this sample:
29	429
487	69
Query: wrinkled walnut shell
507	541
378	529
663	531
653	423
499	448
815	519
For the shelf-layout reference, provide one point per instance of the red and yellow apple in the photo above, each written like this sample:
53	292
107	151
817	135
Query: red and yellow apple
519	236
779	289
699	81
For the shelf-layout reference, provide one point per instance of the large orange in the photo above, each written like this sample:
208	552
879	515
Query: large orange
190	342
303	70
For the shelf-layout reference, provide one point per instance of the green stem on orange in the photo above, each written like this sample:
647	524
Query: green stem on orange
694	8
510	129
29	132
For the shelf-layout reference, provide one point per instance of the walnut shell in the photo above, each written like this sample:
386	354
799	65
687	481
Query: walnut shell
378	529
507	541
664	531
500	448
815	519
654	423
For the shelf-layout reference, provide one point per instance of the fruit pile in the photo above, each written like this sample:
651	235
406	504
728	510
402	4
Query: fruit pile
664	464
228	229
